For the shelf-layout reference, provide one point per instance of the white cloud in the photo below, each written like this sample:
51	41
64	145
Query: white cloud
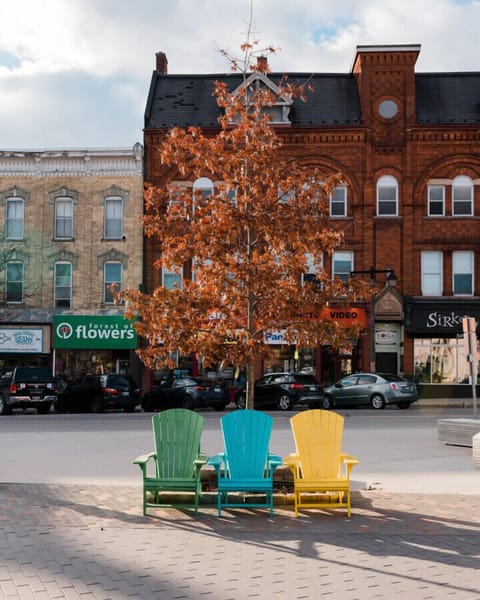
63	63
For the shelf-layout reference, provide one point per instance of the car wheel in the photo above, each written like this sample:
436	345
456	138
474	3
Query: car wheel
285	402
403	404
377	401
97	404
147	404
219	407
130	408
4	408
187	403
242	401
327	402
44	409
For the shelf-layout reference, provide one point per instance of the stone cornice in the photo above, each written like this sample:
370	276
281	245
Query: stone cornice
118	162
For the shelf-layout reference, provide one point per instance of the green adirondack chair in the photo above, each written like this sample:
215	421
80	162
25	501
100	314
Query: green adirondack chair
246	465
175	464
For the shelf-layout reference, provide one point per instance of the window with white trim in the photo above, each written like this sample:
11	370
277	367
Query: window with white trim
432	270
14	218
14	281
63	284
387	196
338	202
112	276
462	273
63	218
436	200
172	279
342	264
113	218
312	269
462	196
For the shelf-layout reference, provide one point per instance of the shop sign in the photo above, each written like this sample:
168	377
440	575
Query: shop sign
345	316
386	338
21	340
439	318
274	337
92	332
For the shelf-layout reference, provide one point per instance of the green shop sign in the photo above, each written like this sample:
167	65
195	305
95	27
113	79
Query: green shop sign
71	332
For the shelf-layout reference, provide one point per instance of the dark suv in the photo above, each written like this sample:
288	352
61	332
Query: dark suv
27	387
283	391
95	393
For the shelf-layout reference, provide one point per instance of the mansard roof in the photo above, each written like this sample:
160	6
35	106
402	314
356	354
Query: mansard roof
187	99
450	98
183	100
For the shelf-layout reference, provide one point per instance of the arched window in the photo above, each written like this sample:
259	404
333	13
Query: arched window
112	275
14	218
113	218
14	277
462	196
203	186
63	218
387	196
63	284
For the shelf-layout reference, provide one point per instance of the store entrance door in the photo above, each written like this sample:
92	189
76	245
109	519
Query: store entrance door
386	362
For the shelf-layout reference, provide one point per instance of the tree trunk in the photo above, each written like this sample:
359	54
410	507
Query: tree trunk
250	383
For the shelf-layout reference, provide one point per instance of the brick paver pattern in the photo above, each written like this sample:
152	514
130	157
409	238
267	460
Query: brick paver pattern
93	543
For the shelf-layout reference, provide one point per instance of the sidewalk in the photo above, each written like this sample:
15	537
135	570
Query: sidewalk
91	542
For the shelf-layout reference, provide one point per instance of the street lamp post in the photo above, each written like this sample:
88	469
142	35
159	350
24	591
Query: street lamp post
391	281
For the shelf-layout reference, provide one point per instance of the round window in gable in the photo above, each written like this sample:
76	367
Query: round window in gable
388	109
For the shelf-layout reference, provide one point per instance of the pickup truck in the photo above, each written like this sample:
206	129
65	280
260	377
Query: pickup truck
27	387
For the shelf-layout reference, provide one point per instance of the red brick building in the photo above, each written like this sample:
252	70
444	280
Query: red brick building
408	146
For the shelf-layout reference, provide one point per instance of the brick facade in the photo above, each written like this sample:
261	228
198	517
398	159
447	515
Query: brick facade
419	129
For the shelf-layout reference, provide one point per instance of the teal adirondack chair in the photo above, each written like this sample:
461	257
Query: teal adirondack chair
246	464
176	461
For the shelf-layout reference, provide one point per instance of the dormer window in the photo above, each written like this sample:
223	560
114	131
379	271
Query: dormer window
279	111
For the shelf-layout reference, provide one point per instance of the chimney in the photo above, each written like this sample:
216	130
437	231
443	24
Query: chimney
162	63
262	64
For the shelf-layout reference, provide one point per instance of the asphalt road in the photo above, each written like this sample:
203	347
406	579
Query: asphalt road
398	450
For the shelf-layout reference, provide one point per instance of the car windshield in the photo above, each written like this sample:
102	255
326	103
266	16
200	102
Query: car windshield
114	380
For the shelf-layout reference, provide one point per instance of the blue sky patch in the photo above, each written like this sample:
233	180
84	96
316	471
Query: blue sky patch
9	60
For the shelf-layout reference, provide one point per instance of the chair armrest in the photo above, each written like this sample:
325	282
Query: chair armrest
217	460
349	462
144	458
274	461
291	460
200	460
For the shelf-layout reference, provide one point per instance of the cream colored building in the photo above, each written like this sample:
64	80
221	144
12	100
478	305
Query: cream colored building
70	225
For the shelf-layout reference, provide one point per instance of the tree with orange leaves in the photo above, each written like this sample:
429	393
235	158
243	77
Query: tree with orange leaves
249	241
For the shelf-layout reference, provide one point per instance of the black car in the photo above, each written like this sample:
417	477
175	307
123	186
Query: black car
27	387
284	390
95	393
186	392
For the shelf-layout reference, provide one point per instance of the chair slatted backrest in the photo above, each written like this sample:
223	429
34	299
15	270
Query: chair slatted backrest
318	440
246	437
177	434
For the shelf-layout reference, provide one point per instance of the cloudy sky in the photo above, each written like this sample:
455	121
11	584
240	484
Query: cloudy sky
75	73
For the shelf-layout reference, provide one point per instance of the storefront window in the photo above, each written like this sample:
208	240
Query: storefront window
441	360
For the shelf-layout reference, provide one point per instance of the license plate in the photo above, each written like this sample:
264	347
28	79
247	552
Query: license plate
312	388
217	389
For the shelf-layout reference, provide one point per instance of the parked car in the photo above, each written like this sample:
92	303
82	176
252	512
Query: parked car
283	391
373	389
95	393
27	387
186	392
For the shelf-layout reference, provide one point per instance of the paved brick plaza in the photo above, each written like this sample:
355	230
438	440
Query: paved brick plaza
92	542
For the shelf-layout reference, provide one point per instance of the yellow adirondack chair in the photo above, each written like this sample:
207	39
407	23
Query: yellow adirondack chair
319	465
